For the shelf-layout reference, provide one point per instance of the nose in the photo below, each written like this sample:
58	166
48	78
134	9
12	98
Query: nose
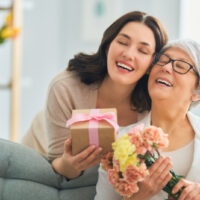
168	67
129	53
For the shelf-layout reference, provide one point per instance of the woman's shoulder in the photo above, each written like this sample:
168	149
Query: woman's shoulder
70	81
65	77
67	86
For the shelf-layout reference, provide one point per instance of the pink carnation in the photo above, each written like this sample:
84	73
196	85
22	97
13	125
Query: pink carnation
134	174
106	161
153	135
113	176
137	140
126	189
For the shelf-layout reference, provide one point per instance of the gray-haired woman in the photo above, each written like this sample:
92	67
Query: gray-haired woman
173	86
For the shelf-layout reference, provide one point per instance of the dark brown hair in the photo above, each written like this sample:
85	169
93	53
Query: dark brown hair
93	68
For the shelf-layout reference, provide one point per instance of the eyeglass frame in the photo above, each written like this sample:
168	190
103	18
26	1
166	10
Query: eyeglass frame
156	59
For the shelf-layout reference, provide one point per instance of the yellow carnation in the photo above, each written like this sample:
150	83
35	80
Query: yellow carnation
124	152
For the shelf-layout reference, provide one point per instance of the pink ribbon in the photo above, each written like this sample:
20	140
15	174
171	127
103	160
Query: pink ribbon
93	119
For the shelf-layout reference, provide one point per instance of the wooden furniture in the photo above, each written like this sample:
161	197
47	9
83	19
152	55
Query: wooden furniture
16	57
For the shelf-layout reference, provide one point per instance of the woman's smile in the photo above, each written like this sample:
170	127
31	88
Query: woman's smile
124	67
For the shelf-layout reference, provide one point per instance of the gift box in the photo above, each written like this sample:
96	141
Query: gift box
93	126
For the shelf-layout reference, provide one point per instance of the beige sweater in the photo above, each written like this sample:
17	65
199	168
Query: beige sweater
48	130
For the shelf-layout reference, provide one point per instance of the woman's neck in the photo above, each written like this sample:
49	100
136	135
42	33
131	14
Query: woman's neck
169	117
174	122
114	94
118	96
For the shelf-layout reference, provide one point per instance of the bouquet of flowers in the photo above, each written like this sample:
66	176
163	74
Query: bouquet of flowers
7	30
132	154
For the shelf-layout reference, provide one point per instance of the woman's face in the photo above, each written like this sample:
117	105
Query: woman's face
166	84
130	53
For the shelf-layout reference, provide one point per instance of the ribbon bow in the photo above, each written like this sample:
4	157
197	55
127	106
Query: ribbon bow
93	119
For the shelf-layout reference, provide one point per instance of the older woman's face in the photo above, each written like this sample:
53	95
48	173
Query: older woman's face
166	84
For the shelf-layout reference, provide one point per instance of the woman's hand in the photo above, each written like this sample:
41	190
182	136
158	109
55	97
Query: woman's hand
191	190
71	166
159	176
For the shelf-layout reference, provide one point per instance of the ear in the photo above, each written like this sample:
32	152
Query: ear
195	97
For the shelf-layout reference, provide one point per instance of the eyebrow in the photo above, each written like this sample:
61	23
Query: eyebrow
128	37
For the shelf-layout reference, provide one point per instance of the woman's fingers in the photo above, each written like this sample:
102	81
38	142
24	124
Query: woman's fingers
179	185
91	150
159	175
68	146
161	167
156	165
191	190
83	160
94	162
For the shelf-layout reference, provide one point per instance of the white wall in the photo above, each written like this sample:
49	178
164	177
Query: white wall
189	25
52	35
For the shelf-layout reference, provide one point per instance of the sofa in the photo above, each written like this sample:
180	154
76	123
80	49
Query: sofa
27	175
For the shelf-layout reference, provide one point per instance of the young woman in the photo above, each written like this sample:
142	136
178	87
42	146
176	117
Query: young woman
105	79
173	86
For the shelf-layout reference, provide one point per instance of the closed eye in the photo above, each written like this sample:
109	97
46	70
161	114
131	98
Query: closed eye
123	43
143	51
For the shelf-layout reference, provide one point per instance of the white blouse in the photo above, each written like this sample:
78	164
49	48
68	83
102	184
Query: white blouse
182	166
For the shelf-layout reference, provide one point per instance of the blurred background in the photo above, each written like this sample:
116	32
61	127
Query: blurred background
54	30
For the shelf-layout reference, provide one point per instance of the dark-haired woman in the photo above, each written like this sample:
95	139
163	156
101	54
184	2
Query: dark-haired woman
105	79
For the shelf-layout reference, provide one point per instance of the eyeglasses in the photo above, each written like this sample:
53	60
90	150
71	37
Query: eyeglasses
178	66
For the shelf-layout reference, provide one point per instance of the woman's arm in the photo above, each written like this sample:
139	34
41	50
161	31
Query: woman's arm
61	100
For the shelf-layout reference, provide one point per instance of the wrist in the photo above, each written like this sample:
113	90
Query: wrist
63	168
69	170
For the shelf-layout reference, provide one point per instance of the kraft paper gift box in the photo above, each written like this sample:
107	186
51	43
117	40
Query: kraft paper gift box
93	126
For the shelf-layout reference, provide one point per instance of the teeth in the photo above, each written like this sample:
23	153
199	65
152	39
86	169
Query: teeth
164	82
125	66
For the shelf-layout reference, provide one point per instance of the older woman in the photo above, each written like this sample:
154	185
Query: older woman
173	87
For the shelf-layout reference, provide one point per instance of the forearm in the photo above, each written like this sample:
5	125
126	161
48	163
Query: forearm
63	169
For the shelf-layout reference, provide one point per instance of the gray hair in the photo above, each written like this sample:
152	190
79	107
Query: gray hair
192	48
